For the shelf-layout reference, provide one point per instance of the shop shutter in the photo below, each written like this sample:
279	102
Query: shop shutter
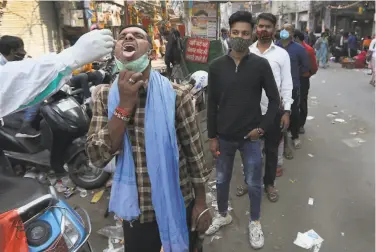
35	22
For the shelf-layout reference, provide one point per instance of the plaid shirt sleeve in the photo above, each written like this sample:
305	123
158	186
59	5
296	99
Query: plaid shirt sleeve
98	143
189	136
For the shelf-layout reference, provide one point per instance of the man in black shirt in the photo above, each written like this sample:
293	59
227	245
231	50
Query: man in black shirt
235	121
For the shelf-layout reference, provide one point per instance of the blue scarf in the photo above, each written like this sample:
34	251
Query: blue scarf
162	158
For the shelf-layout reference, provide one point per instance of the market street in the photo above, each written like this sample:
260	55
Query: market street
334	167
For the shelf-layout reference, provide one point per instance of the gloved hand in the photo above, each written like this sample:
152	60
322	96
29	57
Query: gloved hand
90	47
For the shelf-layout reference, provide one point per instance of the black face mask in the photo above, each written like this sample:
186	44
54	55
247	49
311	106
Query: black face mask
19	57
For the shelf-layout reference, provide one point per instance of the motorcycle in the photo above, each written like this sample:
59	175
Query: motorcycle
61	146
50	224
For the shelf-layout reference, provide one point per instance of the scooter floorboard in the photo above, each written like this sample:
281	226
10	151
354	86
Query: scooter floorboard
40	158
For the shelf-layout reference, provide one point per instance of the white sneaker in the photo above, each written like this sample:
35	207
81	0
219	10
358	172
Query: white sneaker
256	236
218	222
297	143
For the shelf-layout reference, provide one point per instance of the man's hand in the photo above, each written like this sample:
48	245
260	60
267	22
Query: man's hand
129	84
205	220
214	147
254	134
285	121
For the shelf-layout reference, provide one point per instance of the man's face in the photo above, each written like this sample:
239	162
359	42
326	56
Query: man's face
265	29
290	29
194	21
17	55
241	30
132	44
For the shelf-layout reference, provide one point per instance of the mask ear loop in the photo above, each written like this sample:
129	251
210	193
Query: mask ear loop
149	53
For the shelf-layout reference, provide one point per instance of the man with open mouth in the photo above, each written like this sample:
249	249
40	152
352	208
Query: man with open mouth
149	125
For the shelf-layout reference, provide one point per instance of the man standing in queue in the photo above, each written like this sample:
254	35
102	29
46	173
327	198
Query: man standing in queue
304	81
235	121
299	67
279	61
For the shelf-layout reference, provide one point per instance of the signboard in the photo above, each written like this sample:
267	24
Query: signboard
77	18
197	50
204	20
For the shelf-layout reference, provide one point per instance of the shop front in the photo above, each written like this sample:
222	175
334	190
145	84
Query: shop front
35	22
109	15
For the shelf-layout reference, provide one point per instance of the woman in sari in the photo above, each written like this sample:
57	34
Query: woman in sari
321	47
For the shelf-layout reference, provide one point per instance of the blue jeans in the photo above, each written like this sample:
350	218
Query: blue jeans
251	155
31	113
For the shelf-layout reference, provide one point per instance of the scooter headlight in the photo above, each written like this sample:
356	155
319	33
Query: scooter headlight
71	234
37	233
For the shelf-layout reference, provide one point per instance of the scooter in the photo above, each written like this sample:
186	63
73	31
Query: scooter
50	224
199	82
61	146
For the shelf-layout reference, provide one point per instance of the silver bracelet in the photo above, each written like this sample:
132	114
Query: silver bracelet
201	214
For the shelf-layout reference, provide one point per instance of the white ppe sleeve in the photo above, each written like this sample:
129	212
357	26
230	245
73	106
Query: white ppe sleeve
29	82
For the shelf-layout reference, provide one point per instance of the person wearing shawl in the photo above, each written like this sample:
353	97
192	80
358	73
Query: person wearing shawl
149	125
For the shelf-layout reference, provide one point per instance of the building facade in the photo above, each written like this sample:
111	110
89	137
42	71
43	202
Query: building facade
296	13
35	22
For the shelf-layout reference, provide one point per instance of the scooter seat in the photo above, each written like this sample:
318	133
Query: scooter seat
16	192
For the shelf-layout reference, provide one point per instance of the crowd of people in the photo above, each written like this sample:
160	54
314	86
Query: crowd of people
257	91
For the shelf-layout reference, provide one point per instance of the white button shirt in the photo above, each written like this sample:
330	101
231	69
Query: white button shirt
279	61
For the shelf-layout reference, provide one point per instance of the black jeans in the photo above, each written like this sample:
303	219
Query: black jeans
272	140
294	117
304	89
145	237
82	81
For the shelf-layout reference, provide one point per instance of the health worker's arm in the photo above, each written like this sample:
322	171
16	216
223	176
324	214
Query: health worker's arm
28	82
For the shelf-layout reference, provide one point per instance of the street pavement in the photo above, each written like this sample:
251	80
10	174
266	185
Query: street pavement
335	167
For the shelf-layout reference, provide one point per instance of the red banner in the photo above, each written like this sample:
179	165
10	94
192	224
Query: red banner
197	50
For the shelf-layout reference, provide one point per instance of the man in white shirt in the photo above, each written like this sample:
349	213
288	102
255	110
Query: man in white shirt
279	61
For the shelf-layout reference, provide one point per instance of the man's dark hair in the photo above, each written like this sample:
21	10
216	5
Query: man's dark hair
267	16
8	43
223	30
298	34
241	16
142	28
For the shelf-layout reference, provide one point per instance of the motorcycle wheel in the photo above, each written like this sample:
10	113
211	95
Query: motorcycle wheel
85	175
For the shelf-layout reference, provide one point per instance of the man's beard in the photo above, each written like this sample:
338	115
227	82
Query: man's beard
264	36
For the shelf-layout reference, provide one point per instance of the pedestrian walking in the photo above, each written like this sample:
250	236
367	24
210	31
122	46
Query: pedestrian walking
299	67
304	80
322	49
353	45
149	124
173	56
279	61
235	87
372	49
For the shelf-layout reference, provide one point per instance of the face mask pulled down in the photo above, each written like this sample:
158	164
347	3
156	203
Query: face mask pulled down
240	44
139	65
264	36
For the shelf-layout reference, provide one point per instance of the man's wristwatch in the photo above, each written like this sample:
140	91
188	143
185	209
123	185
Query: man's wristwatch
287	111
